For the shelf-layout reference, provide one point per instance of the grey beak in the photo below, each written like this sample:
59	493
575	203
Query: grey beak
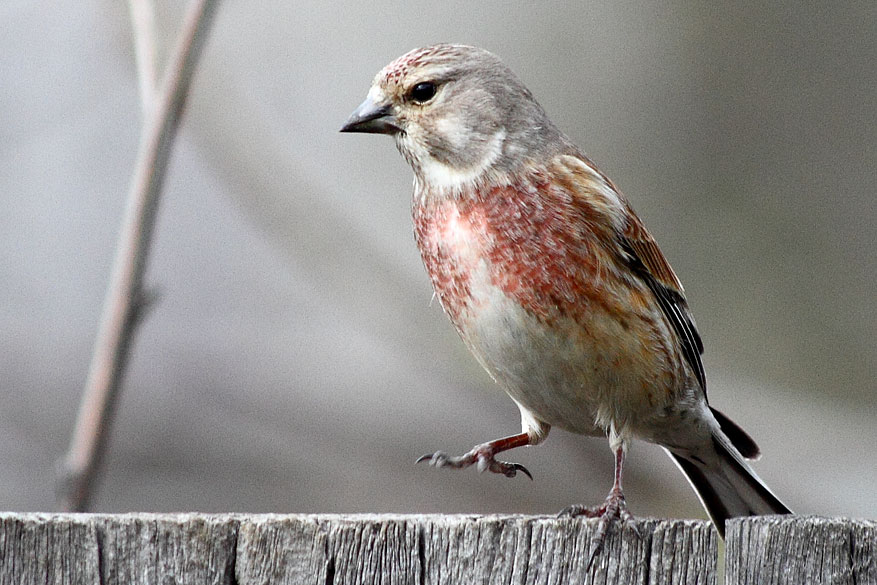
372	118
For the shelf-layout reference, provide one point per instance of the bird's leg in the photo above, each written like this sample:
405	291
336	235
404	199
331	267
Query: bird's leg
615	506
483	456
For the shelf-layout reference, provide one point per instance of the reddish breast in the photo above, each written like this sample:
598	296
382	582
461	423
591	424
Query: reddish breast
536	243
451	239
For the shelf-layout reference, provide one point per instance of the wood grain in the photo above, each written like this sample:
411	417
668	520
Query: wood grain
774	550
239	549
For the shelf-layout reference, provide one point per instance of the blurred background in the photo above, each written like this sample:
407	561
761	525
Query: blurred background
294	362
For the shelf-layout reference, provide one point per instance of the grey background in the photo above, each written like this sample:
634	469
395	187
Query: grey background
294	362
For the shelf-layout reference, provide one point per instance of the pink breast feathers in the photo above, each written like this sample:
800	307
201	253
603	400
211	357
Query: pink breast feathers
532	243
452	237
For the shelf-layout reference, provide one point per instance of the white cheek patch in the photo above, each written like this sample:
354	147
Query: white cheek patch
452	130
440	176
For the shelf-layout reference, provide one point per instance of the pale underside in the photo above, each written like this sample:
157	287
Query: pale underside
595	383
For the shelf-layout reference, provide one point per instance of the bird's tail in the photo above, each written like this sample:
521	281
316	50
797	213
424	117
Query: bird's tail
727	486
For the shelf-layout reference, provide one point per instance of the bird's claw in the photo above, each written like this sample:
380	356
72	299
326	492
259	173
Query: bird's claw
482	458
514	468
614	508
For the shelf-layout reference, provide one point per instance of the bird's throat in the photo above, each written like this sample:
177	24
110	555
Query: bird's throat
436	176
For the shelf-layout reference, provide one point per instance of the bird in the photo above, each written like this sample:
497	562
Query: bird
552	281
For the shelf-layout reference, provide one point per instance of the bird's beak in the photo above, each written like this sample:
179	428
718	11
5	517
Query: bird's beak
373	118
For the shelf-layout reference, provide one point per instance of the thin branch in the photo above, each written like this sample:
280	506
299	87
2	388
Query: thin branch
125	295
145	51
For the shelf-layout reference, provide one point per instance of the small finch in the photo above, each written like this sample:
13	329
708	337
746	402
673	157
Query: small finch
552	281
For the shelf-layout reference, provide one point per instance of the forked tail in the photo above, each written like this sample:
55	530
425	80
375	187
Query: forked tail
727	486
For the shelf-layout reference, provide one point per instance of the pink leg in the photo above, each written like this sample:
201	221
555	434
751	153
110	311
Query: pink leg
483	455
613	507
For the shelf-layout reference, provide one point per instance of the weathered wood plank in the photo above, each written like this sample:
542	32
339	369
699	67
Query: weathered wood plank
470	549
283	549
795	550
85	549
50	549
329	549
359	549
150	549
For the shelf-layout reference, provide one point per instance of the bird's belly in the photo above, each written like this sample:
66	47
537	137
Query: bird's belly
588	374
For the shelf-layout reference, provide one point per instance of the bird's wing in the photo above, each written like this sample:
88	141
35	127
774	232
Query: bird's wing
649	263
580	176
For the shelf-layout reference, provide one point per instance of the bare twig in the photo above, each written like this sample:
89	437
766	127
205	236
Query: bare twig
143	25
125	295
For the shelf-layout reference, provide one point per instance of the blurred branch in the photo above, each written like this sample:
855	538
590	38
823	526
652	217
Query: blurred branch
145	50
125	299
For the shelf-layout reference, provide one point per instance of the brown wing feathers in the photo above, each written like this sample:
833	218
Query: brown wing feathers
589	187
648	262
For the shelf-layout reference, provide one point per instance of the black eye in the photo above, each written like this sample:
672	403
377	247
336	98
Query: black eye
422	92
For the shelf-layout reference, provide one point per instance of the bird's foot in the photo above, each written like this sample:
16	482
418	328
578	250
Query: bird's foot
614	508
482	456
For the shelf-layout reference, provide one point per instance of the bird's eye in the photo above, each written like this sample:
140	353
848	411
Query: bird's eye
422	92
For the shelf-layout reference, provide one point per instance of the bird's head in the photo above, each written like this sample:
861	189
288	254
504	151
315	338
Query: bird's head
459	116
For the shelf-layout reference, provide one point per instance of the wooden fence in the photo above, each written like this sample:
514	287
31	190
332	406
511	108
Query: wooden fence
420	550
